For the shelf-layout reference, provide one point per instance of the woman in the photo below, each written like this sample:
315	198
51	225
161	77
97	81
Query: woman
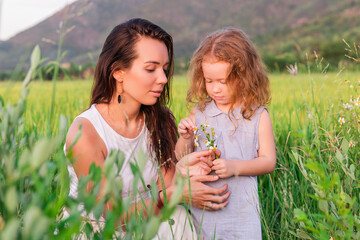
128	113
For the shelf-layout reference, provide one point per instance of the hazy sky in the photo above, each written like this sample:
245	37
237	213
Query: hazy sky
18	15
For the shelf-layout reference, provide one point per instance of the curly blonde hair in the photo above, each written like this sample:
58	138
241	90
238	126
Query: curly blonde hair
246	78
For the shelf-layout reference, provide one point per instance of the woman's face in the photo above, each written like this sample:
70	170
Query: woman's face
144	81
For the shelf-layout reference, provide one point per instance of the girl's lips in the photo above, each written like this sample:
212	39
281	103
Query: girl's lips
218	98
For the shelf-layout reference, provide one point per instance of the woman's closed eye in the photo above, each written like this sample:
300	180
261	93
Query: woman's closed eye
150	70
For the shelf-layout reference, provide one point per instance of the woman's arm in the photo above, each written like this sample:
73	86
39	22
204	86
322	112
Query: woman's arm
263	164
89	149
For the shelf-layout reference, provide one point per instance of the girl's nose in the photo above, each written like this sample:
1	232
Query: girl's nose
216	88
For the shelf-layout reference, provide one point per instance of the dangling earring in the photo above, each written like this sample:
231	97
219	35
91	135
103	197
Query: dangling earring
119	98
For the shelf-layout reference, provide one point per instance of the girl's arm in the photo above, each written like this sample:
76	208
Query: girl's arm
185	143
261	165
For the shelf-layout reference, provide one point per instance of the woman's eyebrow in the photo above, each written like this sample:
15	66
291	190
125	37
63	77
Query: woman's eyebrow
155	62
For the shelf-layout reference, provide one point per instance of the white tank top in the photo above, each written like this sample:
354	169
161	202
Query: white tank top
134	149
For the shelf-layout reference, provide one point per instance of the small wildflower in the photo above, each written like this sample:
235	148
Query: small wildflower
310	116
351	86
348	106
341	120
292	69
351	143
347	81
210	139
357	102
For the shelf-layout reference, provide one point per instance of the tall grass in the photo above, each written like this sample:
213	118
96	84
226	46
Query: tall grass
312	194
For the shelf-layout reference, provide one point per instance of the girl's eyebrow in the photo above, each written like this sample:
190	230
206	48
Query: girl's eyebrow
215	79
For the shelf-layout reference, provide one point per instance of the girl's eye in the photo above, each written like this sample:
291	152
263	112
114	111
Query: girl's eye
150	70
223	82
166	71
208	81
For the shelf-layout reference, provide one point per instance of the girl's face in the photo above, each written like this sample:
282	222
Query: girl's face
144	81
215	74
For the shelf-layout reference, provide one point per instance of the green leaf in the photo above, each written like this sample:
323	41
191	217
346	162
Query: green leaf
98	210
35	223
302	235
43	150
11	230
11	199
345	146
151	228
35	60
178	193
324	206
300	215
35	56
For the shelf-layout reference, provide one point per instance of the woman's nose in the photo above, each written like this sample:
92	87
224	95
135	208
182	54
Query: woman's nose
162	79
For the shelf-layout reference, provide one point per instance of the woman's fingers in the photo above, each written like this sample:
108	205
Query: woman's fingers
206	178
219	199
216	206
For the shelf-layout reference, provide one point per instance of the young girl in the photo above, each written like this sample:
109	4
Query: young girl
230	87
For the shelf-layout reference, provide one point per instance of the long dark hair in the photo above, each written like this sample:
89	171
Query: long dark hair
119	53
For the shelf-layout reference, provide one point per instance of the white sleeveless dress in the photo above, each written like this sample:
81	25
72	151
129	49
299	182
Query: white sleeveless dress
131	147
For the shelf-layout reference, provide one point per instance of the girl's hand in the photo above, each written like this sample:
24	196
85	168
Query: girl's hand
224	168
186	128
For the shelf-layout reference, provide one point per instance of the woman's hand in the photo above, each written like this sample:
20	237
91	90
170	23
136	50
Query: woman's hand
224	168
203	196
196	163
186	128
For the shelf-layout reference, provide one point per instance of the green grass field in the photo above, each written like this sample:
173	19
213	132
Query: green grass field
314	191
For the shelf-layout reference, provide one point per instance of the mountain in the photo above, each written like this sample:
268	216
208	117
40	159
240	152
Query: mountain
276	26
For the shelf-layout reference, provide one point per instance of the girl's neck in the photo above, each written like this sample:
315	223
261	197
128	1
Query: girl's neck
225	108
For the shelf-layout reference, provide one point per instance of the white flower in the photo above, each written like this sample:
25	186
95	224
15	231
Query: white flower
348	106
292	69
351	86
341	120
357	102
351	143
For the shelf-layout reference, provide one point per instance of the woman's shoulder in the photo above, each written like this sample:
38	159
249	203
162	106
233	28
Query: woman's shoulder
82	134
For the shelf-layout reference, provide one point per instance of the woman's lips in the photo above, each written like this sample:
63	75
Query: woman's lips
156	93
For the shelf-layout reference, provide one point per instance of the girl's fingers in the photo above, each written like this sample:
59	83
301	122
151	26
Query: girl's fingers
207	161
